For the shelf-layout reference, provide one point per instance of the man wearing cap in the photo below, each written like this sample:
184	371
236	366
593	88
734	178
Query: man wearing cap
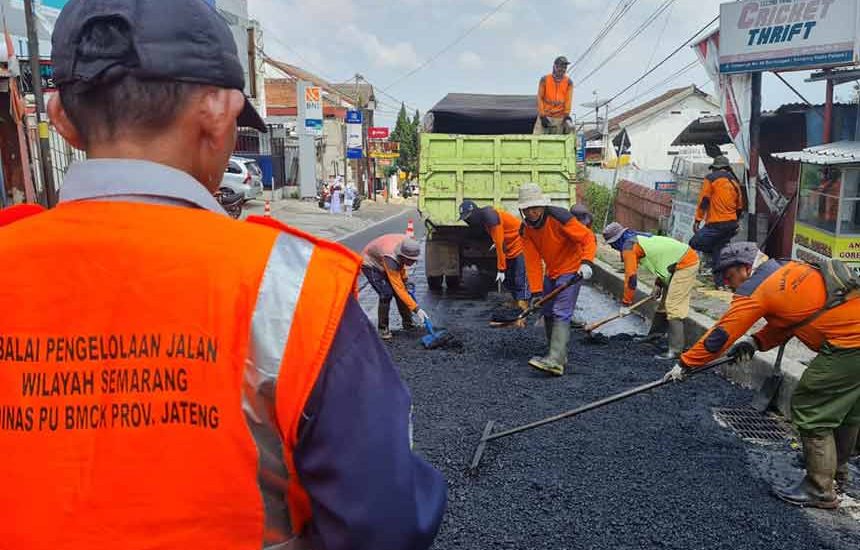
555	99
673	263
567	248
194	381
385	261
825	406
721	203
504	229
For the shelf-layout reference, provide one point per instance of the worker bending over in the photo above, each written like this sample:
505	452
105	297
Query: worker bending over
385	261
555	99
793	298
721	202
567	249
674	264
504	229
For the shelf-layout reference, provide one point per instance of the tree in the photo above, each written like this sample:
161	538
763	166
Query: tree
406	133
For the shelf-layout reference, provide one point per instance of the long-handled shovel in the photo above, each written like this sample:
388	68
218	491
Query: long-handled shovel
770	388
488	434
634	307
498	323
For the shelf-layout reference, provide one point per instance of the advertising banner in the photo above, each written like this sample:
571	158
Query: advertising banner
313	111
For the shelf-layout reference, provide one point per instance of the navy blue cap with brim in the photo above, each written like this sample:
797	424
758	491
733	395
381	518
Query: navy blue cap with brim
179	40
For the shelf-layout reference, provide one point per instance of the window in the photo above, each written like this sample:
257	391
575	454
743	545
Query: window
850	219
820	187
233	168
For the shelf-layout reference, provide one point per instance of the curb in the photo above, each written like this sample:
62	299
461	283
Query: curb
749	376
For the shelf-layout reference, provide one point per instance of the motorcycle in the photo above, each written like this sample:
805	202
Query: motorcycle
230	201
323	198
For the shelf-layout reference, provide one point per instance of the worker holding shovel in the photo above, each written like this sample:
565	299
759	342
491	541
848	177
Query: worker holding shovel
567	248
674	264
504	229
820	305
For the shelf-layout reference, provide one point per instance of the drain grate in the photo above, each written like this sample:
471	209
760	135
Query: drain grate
753	426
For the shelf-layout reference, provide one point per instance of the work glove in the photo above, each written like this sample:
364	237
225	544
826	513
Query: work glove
696	225
677	374
544	121
535	299
585	272
500	277
624	311
744	349
422	316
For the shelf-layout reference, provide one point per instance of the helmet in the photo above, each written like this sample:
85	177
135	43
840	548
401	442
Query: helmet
466	209
581	213
613	232
720	162
409	248
744	253
531	195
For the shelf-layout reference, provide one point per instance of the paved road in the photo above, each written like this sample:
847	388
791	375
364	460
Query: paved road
655	471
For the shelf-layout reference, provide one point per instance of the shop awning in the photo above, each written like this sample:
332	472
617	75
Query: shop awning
841	152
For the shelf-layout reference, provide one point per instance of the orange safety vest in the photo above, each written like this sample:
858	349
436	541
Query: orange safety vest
154	365
555	97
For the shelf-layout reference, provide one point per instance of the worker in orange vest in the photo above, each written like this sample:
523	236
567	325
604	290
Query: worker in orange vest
555	99
170	377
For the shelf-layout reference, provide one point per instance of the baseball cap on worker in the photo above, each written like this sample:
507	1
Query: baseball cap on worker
561	60
178	40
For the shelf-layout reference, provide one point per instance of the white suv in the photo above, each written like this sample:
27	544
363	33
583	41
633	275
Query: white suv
243	176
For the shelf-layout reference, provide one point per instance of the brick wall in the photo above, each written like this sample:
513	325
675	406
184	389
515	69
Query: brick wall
640	208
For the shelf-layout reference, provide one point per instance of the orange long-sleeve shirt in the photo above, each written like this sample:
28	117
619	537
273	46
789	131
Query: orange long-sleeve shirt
561	241
381	254
720	199
504	229
555	98
784	294
632	257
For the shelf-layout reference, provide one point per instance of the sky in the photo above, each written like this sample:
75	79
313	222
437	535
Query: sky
385	40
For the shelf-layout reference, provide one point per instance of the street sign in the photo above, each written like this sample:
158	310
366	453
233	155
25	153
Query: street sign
354	135
580	148
378	133
383	149
765	35
667	186
46	68
313	111
353	117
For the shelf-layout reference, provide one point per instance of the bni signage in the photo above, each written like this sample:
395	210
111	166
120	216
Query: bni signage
354	135
313	111
771	35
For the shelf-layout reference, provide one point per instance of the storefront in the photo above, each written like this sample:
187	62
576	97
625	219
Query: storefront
828	208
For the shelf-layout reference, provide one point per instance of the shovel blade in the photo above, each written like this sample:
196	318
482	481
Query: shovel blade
768	392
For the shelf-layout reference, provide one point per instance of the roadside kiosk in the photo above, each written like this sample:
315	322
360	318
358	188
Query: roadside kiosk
828	206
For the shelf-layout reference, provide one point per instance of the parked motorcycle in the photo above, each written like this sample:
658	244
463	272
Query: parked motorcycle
230	201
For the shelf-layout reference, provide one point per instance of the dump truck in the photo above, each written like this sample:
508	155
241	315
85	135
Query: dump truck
480	147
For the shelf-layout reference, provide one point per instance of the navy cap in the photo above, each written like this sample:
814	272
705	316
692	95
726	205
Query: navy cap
179	40
467	208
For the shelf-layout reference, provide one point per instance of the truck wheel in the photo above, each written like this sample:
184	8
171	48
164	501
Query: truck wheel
435	283
452	282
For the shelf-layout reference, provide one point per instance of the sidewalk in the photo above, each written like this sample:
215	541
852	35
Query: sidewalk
309	217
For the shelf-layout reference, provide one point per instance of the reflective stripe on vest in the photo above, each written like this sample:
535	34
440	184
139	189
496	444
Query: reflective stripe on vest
162	381
660	254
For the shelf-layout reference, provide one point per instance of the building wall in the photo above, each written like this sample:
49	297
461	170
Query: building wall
651	139
236	14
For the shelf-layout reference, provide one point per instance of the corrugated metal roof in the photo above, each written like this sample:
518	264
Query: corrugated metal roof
841	152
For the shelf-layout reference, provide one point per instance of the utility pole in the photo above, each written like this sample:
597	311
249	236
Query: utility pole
36	79
755	138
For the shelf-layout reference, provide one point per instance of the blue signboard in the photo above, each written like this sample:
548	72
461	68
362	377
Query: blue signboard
56	4
353	117
354	153
580	148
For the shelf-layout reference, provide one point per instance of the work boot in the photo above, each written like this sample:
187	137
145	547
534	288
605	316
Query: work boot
382	314
816	488
846	439
659	325
556	359
406	317
676	341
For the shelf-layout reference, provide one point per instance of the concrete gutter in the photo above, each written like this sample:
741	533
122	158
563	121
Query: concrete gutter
749	376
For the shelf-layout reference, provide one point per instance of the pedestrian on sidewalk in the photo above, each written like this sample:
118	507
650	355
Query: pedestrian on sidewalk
504	230
228	390
794	298
348	199
567	248
554	100
674	264
721	203
335	195
385	261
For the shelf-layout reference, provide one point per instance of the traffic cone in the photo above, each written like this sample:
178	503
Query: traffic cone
410	228
268	211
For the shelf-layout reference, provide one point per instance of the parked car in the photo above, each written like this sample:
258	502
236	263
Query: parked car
244	176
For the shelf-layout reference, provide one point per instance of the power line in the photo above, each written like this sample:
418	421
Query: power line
613	20
659	42
662	83
645	24
444	50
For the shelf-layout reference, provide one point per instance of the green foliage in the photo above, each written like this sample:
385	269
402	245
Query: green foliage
599	200
406	133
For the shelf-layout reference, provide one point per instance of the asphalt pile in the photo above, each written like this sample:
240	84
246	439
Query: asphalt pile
654	471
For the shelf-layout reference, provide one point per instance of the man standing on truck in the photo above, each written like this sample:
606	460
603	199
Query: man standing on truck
504	229
385	261
567	248
721	203
554	99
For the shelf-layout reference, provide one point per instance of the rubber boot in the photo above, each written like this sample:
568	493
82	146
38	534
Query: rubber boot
382	314
846	440
406	316
556	359
816	488
676	341
659	326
